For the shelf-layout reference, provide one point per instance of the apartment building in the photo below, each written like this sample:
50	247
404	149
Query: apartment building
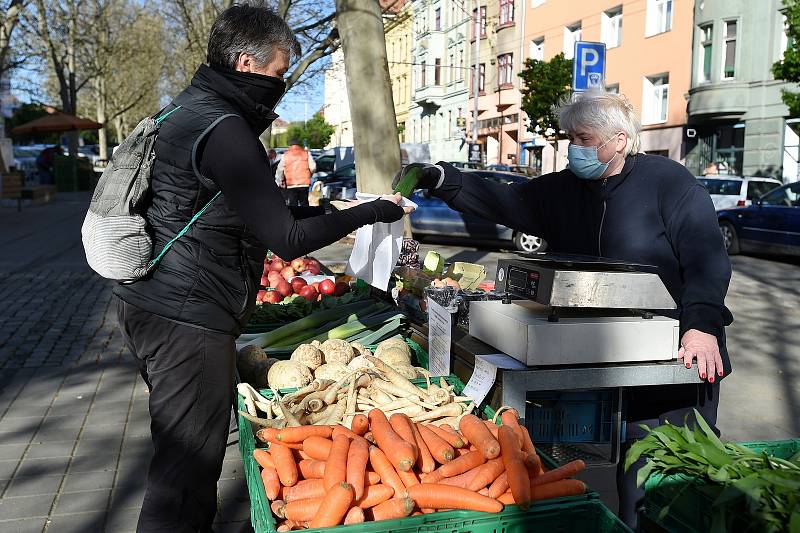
736	117
495	24
398	30
336	106
440	78
648	58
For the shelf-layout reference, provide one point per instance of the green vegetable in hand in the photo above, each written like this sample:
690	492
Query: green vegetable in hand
408	182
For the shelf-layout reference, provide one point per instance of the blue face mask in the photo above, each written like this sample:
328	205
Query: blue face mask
583	161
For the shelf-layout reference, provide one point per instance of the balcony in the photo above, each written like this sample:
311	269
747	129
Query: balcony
430	95
719	100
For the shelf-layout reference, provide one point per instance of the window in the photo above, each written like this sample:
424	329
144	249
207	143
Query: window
506	12
453	15
451	70
461	66
729	64
659	17
613	88
757	189
479	21
706	51
505	69
572	34
437	19
784	35
437	71
786	196
655	99
537	49
481	78
611	27
423	81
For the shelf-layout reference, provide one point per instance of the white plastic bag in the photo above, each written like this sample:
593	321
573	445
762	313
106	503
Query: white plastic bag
377	248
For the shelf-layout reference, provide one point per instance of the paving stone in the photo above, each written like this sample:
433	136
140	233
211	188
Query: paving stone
47	434
33	485
119	407
78	523
128	496
233	510
93	463
50	466
62	422
7	467
122	520
11	451
81	502
60	448
25	506
99	479
103	445
233	489
27	525
25	425
15	437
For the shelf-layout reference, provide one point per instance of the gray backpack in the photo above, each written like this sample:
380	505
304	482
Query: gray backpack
114	233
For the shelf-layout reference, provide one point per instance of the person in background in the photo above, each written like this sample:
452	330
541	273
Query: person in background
295	169
617	203
272	157
46	163
181	320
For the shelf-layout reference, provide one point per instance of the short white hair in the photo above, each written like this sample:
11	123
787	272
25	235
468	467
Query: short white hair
603	113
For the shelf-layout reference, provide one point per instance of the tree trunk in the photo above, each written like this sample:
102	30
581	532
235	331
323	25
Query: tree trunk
102	133
377	147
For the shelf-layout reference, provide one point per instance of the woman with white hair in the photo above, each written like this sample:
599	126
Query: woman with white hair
617	203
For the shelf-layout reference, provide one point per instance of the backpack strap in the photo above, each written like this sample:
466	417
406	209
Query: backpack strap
163	117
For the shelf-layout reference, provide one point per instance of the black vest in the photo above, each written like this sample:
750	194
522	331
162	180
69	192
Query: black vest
210	275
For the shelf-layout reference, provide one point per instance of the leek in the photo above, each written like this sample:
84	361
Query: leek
368	338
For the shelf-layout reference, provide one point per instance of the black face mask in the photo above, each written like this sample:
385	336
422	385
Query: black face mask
264	90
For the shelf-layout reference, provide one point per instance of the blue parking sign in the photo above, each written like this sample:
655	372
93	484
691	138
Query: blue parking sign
588	66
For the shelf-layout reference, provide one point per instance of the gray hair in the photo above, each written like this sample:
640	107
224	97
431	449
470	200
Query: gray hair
246	29
604	113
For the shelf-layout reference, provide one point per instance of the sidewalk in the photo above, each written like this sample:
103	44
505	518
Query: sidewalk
74	425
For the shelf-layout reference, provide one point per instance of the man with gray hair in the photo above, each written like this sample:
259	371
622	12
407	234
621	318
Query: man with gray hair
181	320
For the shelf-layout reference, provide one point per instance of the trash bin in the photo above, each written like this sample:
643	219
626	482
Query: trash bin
73	173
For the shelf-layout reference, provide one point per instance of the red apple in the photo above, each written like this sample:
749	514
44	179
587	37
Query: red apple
277	265
341	288
309	293
287	273
326	286
284	288
265	281
260	296
315	285
299	264
297	284
312	269
272	297
274	277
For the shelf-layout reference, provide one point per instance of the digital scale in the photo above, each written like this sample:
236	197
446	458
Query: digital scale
575	310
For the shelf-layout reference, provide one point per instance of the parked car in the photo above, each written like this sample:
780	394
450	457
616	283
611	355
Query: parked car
465	165
734	191
434	217
340	184
525	170
25	159
770	225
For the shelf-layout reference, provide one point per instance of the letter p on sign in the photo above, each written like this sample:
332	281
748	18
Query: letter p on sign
589	65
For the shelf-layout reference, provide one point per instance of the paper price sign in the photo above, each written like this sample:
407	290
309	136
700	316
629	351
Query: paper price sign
439	323
483	377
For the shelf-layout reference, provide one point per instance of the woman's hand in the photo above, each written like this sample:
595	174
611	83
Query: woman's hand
396	198
704	347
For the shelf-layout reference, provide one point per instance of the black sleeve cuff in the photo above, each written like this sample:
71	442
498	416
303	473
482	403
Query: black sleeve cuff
707	318
452	182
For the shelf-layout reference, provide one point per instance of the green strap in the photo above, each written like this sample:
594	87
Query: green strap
161	119
153	262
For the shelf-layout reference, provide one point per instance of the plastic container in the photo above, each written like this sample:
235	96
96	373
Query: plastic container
690	502
570	416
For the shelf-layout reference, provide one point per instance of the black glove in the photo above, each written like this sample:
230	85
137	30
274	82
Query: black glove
384	211
430	176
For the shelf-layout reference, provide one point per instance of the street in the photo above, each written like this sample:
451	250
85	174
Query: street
74	426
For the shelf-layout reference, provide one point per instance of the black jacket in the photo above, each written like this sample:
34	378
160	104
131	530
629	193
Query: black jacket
654	212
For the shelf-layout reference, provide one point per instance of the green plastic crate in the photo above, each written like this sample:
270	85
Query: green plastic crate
690	501
589	513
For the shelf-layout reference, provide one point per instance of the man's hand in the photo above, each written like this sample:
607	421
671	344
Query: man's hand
704	347
430	176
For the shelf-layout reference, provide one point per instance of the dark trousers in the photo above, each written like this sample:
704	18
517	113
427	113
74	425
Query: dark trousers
704	398
297	196
190	374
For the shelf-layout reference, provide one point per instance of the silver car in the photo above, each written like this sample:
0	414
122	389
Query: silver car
735	191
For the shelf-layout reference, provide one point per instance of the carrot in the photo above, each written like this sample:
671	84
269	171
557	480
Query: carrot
360	424
307	488
444	496
510	417
506	498
284	463
300	433
263	458
492	427
373	495
516	472
336	465
354	516
334	506
289	525
562	472
451	437
425	462
272	484
302	510
558	489
478	434
341	430
498	486
457	466
484	491
267	434
401	425
277	508
400	452
462	480
527	443
372	477
303	455
311	469
534	465
409	478
384	468
391	509
463	451
370	437
317	448
486	474
357	459
439	448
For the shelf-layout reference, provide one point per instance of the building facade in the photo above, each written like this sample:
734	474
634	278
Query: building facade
737	121
440	78
648	58
336	106
398	29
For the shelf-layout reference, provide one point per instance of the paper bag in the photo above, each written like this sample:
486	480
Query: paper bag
376	249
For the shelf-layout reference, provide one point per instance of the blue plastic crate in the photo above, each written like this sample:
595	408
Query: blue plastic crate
570	416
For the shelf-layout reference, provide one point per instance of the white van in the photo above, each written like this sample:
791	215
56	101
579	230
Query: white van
735	191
